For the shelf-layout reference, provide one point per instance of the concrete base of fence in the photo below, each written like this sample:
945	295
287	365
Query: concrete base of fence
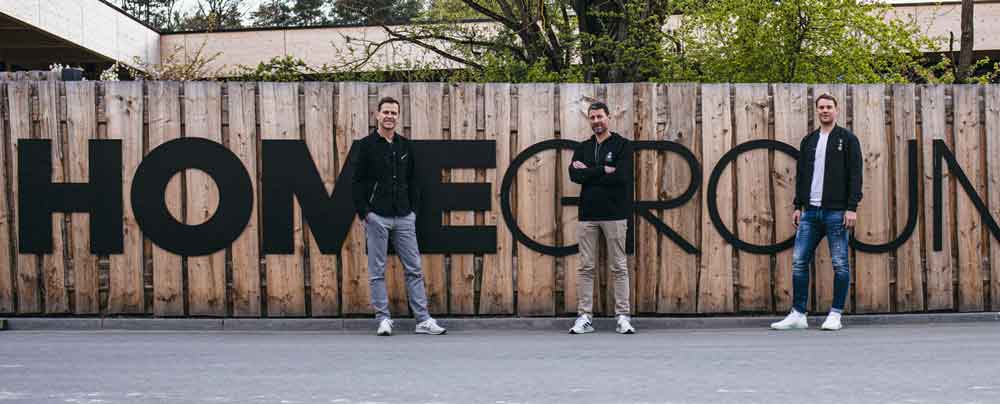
554	324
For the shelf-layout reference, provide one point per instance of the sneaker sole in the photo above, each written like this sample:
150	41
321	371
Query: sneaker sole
789	328
831	328
581	333
425	332
627	332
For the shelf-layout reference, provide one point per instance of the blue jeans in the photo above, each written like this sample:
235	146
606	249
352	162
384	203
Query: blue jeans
814	224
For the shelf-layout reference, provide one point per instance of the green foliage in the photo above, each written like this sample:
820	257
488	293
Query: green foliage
943	72
212	15
449	10
290	13
807	41
372	12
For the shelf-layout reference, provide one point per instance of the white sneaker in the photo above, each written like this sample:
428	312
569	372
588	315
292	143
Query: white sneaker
384	328
794	321
429	326
624	325
832	322
582	325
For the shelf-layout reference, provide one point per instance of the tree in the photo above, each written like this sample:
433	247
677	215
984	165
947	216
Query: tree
616	40
290	13
796	41
275	13
629	40
155	13
373	12
211	15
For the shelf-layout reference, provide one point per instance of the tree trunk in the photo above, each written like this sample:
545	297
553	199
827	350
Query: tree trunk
965	53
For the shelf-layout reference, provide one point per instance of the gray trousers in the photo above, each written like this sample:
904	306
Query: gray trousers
402	231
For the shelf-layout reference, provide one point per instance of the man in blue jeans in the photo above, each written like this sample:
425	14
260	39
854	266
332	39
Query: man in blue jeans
827	193
387	197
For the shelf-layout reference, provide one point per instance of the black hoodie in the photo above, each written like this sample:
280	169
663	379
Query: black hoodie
604	196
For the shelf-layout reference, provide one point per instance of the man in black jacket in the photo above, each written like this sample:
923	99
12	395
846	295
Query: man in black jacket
827	194
386	197
603	166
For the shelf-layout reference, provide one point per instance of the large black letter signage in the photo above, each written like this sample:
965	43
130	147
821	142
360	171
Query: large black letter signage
38	197
150	207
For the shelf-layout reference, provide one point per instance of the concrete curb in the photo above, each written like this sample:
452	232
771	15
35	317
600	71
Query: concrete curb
461	324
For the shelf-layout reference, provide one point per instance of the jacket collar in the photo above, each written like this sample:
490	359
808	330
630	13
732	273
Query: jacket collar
612	135
395	136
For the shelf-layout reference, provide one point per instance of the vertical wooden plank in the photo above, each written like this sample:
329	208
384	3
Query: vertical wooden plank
574	125
968	149
320	141
54	264
535	193
791	124
165	125
822	268
395	275
992	95
7	267
81	126
426	110
124	105
939	265
463	127
246	249
621	101
279	120
909	265
649	174
352	124
679	269
29	299
754	217
206	274
497	288
715	294
871	271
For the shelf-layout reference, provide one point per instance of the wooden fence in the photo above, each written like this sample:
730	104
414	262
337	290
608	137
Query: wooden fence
50	75
754	197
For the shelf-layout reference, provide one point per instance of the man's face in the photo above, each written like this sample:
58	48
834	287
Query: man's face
598	121
388	115
827	111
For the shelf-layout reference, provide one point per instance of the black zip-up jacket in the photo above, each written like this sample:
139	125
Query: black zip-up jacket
604	196
842	174
385	181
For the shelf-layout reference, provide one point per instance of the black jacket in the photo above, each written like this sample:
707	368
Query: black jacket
604	196
842	173
385	181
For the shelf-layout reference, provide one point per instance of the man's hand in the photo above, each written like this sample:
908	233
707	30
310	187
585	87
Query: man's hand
579	165
850	219
609	169
796	216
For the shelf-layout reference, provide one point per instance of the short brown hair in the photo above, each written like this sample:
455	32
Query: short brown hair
826	96
387	100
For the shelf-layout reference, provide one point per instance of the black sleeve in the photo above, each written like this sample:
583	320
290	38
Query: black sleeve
582	175
623	169
359	181
855	166
800	172
413	183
